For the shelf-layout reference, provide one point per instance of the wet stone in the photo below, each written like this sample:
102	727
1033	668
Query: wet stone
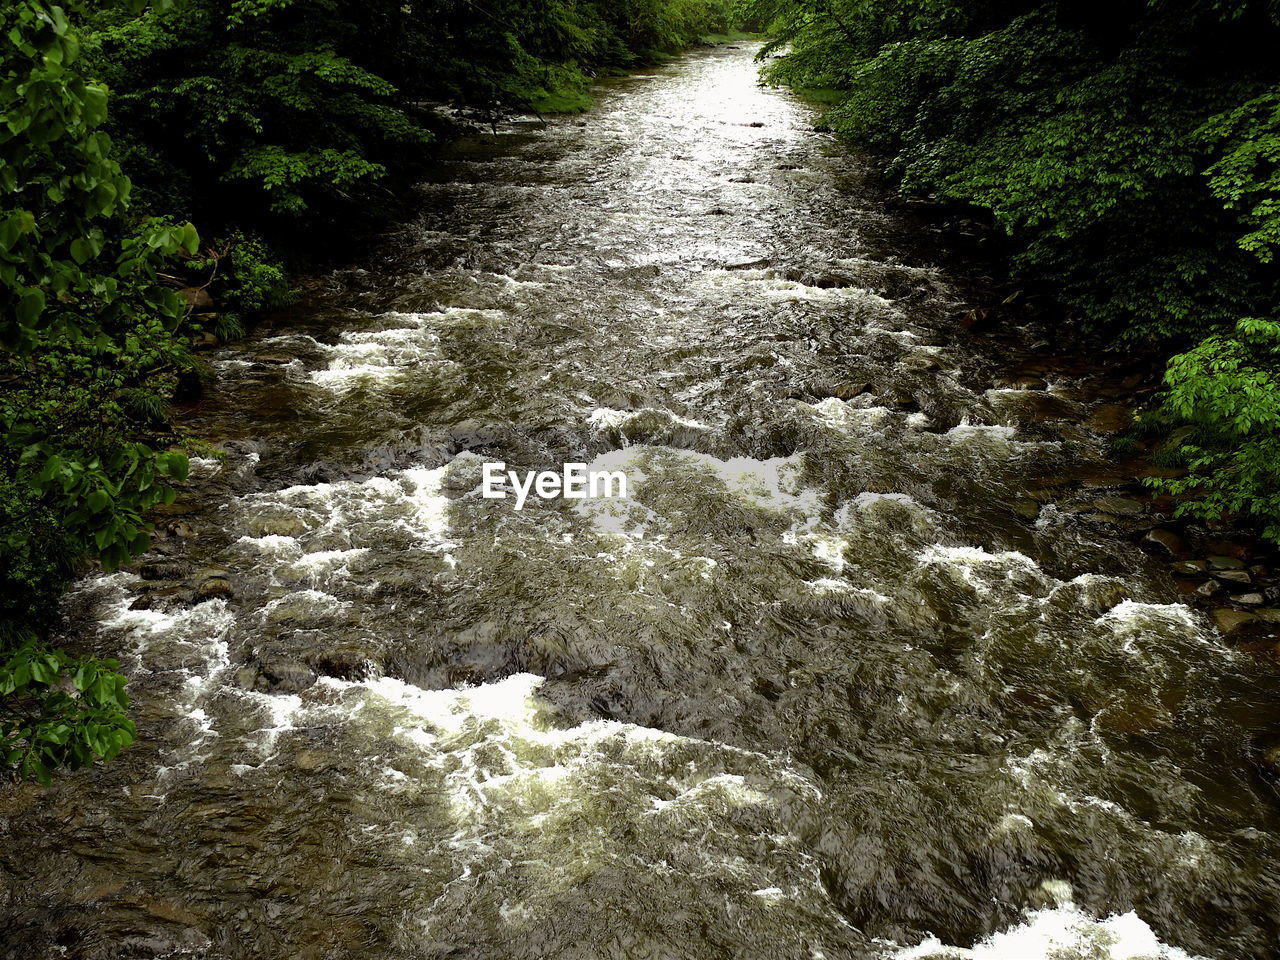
1190	568
1231	621
178	528
1250	599
174	509
312	761
215	587
1026	508
278	527
285	676
347	663
1164	541
1234	576
1119	506
163	570
1269	759
168	598
1110	418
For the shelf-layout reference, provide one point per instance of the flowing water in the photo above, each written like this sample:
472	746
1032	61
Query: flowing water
821	687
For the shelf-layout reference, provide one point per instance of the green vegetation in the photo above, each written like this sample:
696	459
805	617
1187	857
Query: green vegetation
265	122
272	117
1132	152
89	347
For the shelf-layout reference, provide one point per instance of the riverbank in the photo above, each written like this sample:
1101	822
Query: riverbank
1129	171
1222	566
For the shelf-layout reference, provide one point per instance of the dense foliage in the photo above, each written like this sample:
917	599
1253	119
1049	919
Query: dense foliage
1132	151
275	115
261	120
88	336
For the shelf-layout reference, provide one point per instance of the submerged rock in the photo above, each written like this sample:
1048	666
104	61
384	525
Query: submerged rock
1026	508
285	676
1119	506
168	597
163	570
1269	759
347	663
280	526
1231	621
215	587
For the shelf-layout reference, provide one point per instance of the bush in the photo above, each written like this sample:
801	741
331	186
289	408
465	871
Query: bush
90	343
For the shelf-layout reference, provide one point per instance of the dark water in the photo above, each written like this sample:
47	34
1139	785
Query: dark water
822	687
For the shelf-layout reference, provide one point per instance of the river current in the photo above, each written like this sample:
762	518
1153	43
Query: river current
823	686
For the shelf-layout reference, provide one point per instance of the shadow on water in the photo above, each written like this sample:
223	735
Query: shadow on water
821	686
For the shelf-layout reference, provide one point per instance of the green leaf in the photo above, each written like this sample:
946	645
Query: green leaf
82	250
94	104
176	465
30	307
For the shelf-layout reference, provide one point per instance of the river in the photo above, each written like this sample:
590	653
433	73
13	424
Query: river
851	673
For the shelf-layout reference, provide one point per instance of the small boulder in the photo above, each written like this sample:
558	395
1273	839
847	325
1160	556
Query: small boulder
978	319
163	570
278	526
1026	508
285	676
1119	506
1164	541
1230	621
167	598
1269	759
1190	568
848	391
1233	576
215	587
346	663
312	761
198	299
